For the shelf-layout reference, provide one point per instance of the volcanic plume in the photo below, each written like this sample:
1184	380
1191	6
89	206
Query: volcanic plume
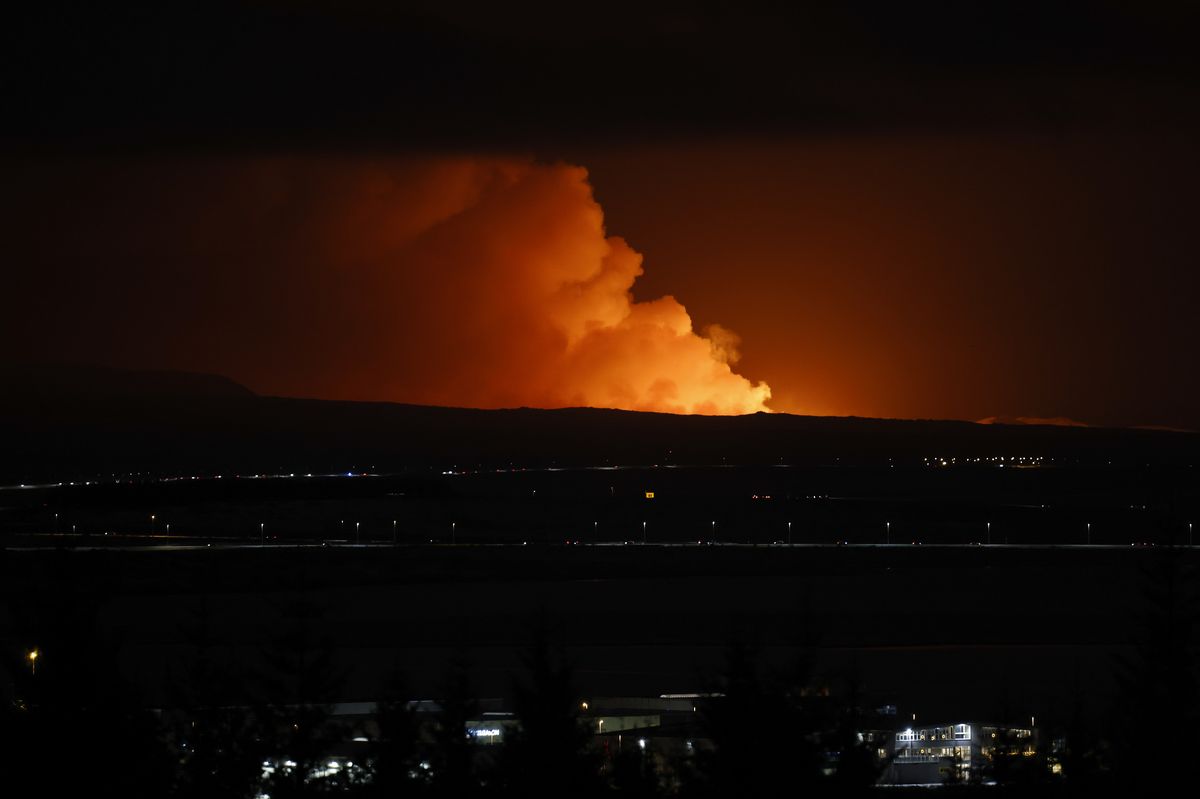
469	282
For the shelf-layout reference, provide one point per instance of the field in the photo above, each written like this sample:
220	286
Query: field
944	632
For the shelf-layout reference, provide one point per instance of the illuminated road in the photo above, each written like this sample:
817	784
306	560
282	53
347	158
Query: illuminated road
228	545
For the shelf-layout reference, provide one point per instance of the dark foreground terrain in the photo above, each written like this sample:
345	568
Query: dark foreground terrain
196	582
1073	636
943	632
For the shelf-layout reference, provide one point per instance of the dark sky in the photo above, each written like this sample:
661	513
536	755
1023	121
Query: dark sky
921	209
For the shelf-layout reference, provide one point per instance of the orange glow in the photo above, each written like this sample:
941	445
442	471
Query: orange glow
540	309
909	275
475	282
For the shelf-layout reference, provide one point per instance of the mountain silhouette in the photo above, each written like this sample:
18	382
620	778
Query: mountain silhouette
64	421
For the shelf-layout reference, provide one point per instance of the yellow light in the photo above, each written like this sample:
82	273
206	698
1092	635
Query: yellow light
583	705
649	495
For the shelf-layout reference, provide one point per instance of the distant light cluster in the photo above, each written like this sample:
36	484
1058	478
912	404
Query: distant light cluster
1017	461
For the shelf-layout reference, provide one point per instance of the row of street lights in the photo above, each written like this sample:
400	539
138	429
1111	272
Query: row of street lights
358	531
888	533
595	530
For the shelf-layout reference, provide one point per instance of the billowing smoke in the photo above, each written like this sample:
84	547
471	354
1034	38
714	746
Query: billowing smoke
471	282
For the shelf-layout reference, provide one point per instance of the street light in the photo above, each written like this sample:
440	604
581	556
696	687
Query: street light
888	539
989	532
33	658
453	534
1089	533
789	534
168	529
262	534
393	532
357	528
643	532
714	531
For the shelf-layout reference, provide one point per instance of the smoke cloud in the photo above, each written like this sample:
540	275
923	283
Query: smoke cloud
470	282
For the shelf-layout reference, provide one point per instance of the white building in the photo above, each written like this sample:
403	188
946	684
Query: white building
943	753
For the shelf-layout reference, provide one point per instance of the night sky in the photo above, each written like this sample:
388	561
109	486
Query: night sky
911	210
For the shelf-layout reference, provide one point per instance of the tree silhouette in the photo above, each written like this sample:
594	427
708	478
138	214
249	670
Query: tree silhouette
453	755
634	774
394	753
766	733
1082	754
857	764
300	685
214	736
1157	709
549	754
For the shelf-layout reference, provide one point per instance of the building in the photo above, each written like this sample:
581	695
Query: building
961	752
